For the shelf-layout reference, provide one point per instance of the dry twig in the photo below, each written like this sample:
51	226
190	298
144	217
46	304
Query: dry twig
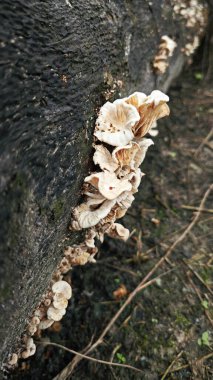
90	358
198	277
202	359
171	365
193	208
205	140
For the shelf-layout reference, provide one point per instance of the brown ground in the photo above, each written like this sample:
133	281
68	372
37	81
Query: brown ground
171	320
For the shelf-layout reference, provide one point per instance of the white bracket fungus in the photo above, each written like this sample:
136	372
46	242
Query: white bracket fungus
165	50
108	193
194	14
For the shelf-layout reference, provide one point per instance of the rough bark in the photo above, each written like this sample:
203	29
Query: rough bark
60	61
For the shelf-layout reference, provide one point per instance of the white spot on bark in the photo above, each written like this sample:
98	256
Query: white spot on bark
68	3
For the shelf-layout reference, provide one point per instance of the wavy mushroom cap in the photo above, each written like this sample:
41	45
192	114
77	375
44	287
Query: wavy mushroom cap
31	348
118	231
103	158
13	359
45	323
86	217
144	144
115	122
35	320
135	179
124	155
60	303
108	184
156	97
154	108
62	287
168	44
55	314
32	329
125	200
136	99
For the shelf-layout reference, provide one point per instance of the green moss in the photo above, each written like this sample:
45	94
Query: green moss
181	320
19	182
16	202
206	274
5	293
57	208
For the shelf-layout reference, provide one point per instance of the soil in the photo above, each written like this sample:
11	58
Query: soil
171	320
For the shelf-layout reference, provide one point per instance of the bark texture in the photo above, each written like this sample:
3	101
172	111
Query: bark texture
60	61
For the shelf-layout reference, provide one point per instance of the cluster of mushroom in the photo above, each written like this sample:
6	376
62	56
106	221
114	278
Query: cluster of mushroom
51	309
120	149
193	11
166	49
195	15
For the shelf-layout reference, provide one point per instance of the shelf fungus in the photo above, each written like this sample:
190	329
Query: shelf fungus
115	122
165	50
119	150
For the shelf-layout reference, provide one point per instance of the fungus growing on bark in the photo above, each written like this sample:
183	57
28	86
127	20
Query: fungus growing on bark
13	360
125	155
108	184
165	50
55	314
107	194
118	231
150	111
45	323
136	99
190	47
194	13
62	288
103	158
30	348
86	217
115	122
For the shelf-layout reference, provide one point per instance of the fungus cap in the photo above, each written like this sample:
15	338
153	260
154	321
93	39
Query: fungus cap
124	155
103	158
29	352
82	259
35	320
45	323
29	342
31	348
60	303
108	184
170	44
32	329
156	97
55	314
118	231
13	359
136	99
85	217
135	179
115	122
154	108
47	302
62	287
144	144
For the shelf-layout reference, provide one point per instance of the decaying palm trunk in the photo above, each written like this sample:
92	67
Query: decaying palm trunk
60	61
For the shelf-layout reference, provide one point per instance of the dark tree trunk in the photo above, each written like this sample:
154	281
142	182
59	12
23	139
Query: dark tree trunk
60	61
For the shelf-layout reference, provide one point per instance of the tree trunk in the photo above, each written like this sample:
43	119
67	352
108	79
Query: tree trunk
60	61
